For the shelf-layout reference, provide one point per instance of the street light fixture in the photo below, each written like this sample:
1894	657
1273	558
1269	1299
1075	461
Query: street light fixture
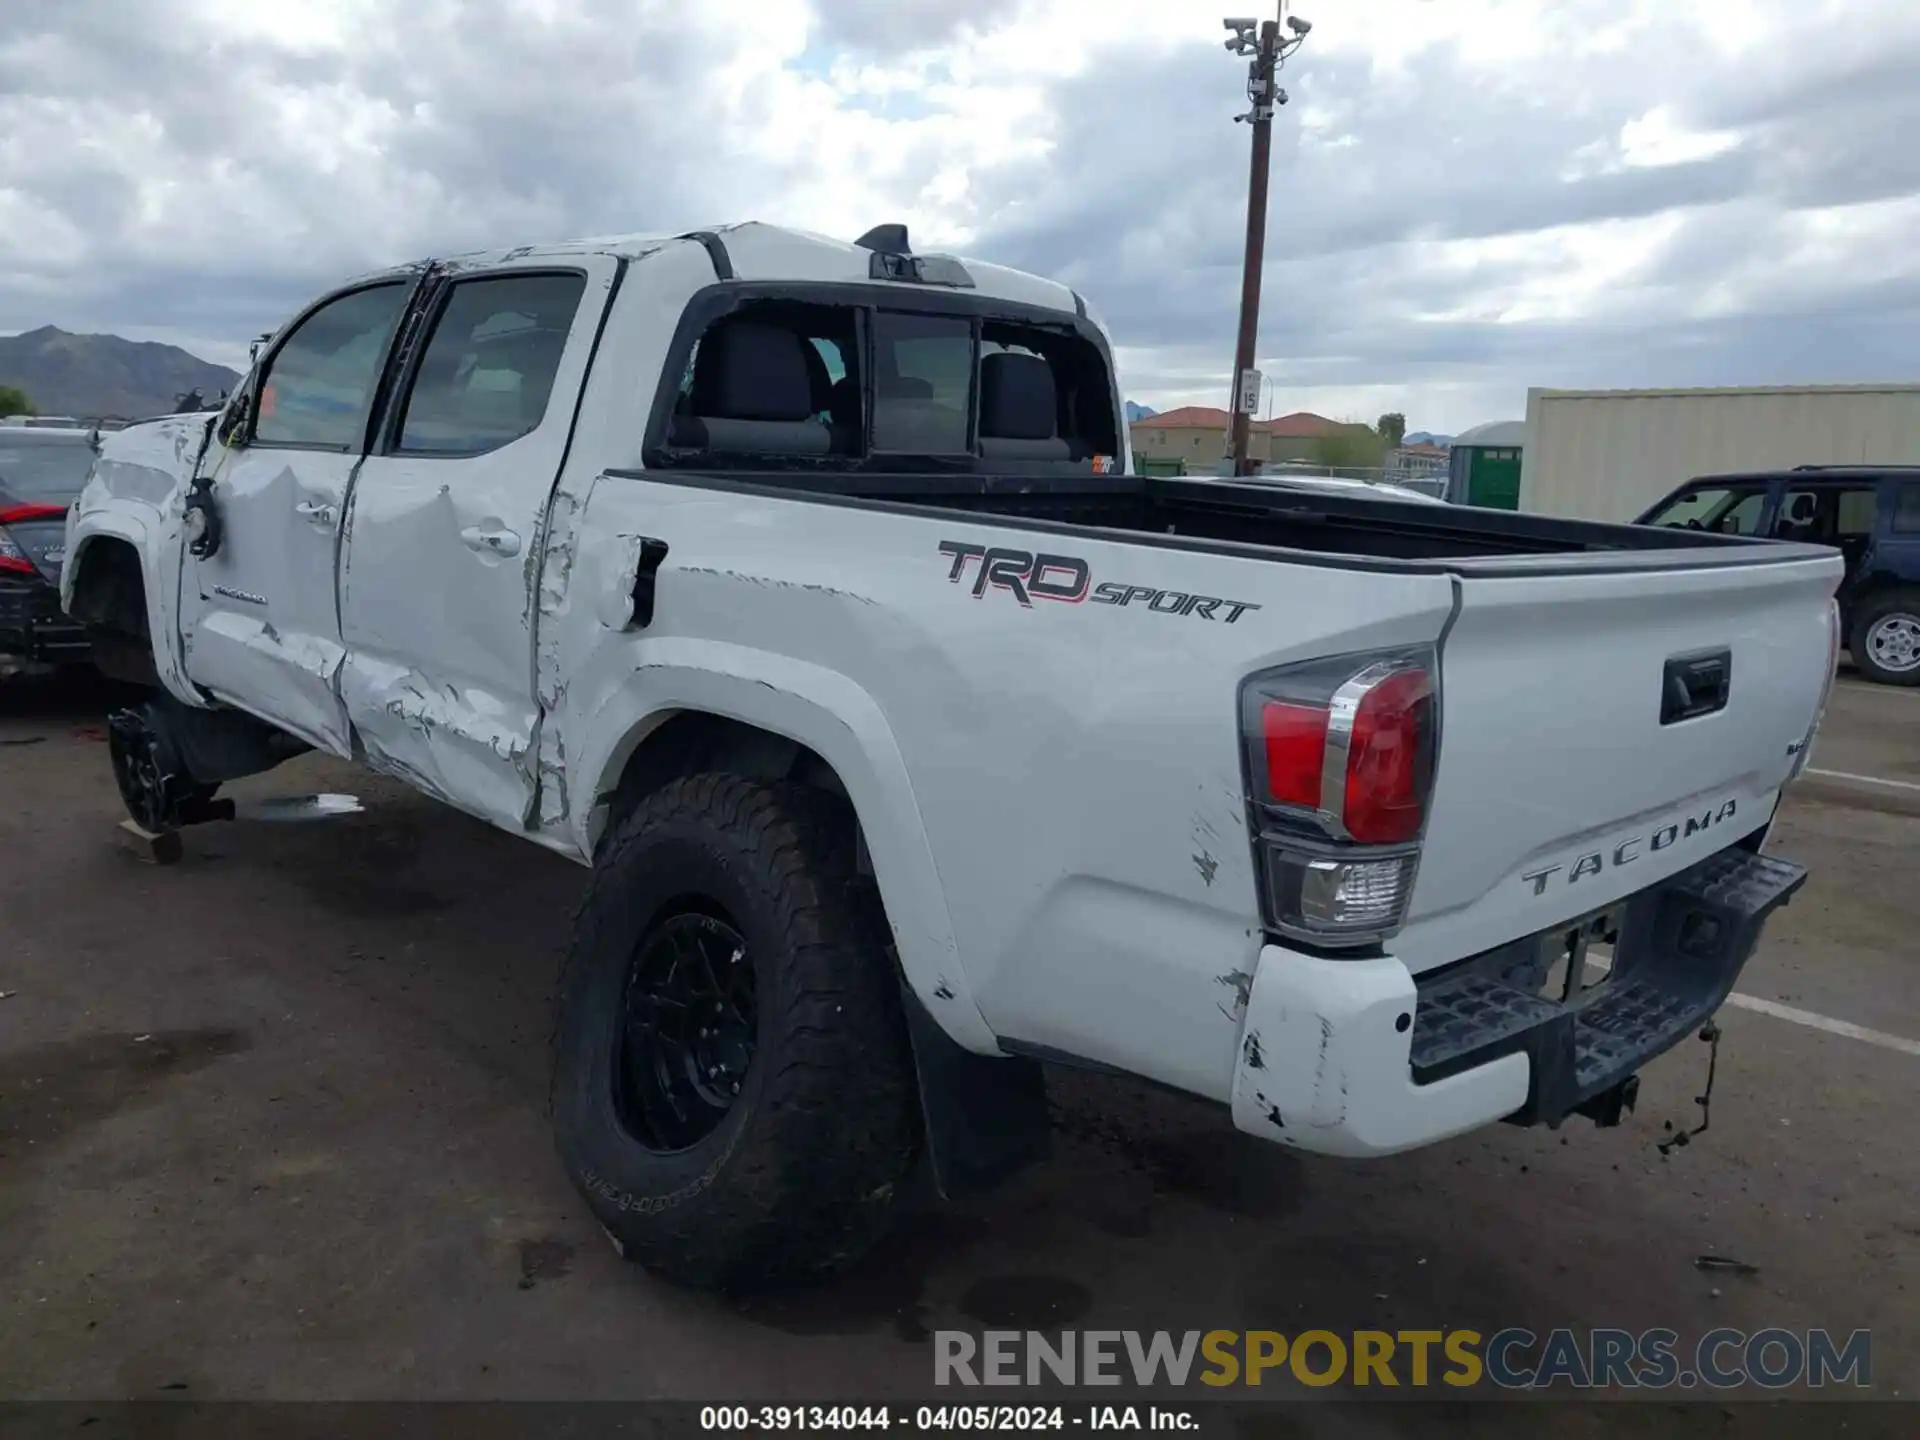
1269	53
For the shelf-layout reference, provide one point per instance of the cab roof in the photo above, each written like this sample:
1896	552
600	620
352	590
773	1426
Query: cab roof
754	250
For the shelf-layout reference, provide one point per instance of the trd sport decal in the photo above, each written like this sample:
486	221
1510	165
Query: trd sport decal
1067	579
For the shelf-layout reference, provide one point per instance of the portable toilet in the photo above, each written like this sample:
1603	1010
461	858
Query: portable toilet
1484	466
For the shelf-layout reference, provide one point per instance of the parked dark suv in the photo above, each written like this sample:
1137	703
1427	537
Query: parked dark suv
1869	513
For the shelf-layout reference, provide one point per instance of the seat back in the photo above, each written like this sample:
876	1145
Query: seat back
755	391
1019	409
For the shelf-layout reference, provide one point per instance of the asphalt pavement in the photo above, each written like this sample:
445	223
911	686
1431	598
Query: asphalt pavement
272	1126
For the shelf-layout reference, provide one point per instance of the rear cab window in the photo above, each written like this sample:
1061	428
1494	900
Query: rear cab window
923	381
850	377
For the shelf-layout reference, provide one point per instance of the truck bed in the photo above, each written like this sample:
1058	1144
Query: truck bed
1254	516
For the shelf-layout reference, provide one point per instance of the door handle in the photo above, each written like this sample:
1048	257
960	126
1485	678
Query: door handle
497	542
320	513
1696	685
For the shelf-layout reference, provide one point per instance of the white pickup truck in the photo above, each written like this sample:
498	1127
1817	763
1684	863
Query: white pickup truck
803	591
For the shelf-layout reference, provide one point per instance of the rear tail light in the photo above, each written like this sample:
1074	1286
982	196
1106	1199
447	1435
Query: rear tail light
13	560
1340	757
19	514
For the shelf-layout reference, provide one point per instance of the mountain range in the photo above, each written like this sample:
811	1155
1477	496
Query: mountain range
94	377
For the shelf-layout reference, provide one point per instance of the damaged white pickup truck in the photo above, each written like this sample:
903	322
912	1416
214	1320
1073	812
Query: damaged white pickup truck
802	590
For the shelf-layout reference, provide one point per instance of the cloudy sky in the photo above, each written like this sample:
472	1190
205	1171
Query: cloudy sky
1470	196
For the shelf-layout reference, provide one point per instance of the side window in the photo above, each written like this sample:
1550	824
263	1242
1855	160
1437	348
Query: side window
1743	516
1858	509
1799	515
487	372
319	385
923	383
1828	516
1906	512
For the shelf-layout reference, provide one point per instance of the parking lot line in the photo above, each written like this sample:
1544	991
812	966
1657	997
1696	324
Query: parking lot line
1824	1022
1812	1021
1868	687
1865	779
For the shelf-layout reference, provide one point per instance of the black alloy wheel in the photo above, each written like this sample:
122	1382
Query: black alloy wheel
690	1031
734	1091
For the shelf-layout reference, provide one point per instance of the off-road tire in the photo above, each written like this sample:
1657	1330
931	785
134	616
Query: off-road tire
797	1179
1904	601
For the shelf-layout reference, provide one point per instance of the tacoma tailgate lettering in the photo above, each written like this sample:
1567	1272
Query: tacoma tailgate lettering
1627	851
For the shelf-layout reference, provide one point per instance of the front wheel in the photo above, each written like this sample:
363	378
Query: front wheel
149	772
734	1090
1886	638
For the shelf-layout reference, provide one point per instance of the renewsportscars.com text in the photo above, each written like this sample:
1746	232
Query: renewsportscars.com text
1511	1359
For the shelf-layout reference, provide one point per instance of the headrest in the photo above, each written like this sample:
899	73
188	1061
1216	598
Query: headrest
1017	398
748	371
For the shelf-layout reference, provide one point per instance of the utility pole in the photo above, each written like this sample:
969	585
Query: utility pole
1269	52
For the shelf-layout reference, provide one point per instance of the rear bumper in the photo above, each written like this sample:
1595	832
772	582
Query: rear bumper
1356	1057
34	628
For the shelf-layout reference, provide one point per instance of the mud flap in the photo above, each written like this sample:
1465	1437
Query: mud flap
986	1118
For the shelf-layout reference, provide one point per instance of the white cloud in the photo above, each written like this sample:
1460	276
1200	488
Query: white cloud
1469	195
1656	138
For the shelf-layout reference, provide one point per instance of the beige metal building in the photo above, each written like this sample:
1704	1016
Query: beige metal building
1609	454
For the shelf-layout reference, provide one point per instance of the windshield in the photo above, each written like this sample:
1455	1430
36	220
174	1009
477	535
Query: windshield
34	471
1727	509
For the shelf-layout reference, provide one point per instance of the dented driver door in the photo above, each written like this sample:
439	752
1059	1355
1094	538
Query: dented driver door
258	615
443	534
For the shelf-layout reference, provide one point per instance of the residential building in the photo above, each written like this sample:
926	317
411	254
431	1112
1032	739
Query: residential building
1416	461
1200	434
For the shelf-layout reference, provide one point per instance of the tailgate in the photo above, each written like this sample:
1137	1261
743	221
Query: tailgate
1573	773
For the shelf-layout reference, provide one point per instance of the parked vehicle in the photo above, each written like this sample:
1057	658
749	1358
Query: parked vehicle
1869	513
1342	485
41	470
800	589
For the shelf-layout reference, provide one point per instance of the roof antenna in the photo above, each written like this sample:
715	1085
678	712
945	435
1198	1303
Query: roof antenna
886	239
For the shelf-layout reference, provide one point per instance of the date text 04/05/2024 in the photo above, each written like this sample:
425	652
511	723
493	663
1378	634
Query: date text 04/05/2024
942	1419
